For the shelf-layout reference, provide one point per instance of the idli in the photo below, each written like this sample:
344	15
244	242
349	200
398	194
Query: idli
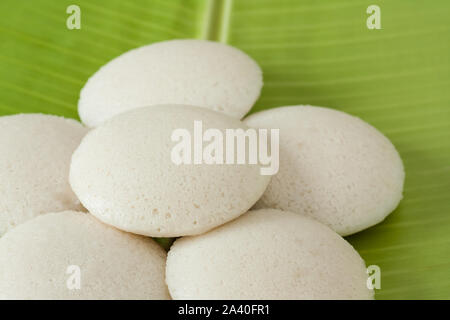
334	167
35	152
194	72
124	173
266	254
71	255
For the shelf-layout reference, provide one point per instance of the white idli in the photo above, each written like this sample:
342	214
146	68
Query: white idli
49	256
123	174
194	72
266	254
334	167
35	152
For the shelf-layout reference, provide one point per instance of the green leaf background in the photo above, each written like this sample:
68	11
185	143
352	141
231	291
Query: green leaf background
311	52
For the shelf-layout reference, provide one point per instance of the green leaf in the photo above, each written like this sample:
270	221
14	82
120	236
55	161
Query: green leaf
165	242
311	52
43	64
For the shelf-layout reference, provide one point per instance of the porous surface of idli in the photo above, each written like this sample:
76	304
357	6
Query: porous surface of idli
72	255
35	153
333	167
266	254
123	174
194	72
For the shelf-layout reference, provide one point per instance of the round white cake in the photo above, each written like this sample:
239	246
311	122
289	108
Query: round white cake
35	152
71	255
194	72
334	167
124	173
266	254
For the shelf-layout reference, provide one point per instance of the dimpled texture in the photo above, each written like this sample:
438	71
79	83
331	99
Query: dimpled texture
35	152
35	259
193	72
334	167
123	173
266	254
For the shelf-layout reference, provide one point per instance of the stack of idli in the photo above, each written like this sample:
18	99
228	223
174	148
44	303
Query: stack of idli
80	204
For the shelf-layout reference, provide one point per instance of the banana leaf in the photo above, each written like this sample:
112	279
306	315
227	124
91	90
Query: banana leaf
312	52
